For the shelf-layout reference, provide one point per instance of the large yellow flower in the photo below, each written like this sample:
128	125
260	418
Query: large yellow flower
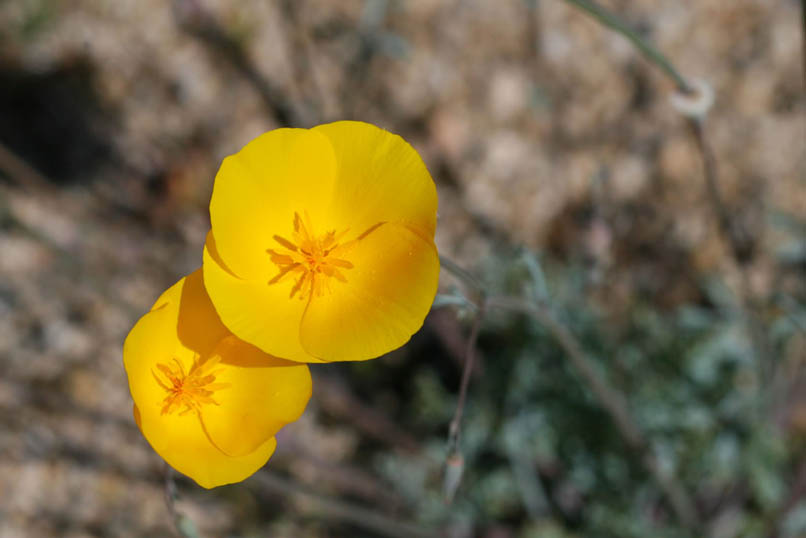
208	402
322	242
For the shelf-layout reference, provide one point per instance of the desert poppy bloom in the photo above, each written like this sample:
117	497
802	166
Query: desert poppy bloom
322	242
206	401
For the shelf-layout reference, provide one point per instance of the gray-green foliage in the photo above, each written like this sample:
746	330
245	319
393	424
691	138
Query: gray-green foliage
541	453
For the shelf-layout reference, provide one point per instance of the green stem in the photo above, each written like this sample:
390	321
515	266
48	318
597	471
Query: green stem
463	275
650	52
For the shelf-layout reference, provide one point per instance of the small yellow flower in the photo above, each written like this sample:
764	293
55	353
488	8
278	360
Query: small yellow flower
322	242
206	401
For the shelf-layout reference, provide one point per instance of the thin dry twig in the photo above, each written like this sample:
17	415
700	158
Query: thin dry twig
738	239
454	463
466	277
470	357
742	245
20	171
654	55
317	505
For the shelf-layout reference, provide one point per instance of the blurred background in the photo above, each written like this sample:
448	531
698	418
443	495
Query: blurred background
565	178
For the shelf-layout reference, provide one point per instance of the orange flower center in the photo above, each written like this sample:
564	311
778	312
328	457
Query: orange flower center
315	260
189	391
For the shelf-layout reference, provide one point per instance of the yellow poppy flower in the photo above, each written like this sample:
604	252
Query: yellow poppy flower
206	401
322	242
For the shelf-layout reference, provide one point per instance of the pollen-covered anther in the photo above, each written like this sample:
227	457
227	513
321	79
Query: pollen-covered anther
314	259
192	390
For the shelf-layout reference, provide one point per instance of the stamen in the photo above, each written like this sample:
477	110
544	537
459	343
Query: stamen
298	285
192	390
317	258
286	243
284	271
341	263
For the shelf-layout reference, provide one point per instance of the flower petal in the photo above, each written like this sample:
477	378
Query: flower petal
265	394
385	300
208	433
153	339
184	446
380	178
258	190
255	311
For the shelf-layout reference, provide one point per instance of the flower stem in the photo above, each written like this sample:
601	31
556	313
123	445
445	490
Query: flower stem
184	526
470	358
465	276
649	51
454	463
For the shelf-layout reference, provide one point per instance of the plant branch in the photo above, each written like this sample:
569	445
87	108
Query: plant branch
741	245
740	242
647	49
693	101
455	429
20	171
465	276
694	104
454	463
315	505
